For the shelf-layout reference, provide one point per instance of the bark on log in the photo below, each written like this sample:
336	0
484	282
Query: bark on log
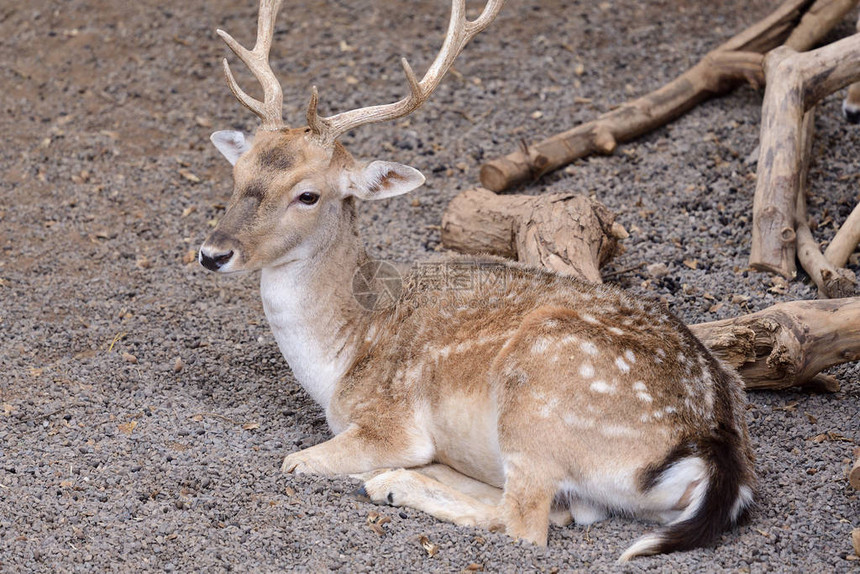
568	233
795	83
787	344
735	61
854	475
831	281
845	240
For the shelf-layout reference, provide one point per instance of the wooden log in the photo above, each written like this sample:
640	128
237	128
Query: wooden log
730	64
787	344
846	239
567	233
795	83
854	475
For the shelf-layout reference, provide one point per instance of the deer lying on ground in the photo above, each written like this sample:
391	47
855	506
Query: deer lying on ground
538	396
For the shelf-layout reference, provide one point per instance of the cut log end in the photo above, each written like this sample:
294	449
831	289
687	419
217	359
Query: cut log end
837	284
499	174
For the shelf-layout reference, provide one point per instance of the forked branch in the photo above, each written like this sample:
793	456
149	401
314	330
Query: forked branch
270	109
795	83
460	32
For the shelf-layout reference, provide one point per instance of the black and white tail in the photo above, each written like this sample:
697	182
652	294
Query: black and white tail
717	503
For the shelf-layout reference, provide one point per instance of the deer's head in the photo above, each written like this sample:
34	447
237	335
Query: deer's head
293	189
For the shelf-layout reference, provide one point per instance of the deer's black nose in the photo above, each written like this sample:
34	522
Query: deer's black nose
215	261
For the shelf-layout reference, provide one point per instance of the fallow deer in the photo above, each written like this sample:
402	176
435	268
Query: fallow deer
536	395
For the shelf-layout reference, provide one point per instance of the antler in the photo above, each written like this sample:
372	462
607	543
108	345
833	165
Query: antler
460	32
257	60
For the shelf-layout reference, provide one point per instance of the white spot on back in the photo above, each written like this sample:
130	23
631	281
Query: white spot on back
639	386
540	346
618	431
628	354
568	339
589	318
575	420
622	365
547	407
602	387
586	370
616	331
589	348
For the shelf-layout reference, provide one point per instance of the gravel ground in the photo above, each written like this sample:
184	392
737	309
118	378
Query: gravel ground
144	407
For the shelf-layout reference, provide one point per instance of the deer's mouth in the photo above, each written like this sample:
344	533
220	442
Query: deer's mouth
215	260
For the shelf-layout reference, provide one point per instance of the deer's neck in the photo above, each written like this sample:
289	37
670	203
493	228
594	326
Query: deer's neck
314	316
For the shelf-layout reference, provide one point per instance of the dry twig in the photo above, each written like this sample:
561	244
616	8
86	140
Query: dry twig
831	281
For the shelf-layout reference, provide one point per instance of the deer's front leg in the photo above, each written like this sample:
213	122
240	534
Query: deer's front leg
358	450
460	499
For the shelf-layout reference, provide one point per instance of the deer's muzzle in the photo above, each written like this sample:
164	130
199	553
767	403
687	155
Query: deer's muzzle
219	252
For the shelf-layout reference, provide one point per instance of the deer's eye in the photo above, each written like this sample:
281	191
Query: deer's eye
309	198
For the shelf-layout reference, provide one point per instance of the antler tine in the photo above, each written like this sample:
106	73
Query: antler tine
460	32
270	109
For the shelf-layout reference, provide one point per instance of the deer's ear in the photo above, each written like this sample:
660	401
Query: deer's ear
231	144
381	179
